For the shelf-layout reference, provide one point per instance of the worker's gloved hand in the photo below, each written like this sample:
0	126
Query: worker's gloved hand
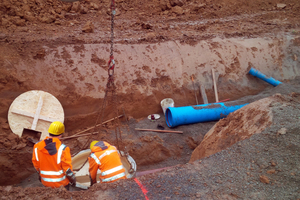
38	172
73	181
71	177
92	181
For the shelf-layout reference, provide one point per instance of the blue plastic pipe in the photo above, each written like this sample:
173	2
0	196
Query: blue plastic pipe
263	77
176	116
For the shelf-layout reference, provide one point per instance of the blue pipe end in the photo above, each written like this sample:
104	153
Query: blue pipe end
176	116
263	77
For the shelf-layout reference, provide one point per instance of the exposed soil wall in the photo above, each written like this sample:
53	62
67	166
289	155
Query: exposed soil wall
147	73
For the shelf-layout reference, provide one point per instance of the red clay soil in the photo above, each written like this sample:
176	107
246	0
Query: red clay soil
27	25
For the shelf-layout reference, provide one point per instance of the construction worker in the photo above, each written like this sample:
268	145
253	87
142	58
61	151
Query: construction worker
106	158
52	159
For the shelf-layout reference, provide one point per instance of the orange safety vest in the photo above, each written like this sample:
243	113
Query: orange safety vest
52	159
106	158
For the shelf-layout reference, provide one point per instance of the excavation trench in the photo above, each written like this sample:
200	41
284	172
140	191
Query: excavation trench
144	75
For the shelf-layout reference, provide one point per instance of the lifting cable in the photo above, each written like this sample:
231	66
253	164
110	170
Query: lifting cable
110	93
110	90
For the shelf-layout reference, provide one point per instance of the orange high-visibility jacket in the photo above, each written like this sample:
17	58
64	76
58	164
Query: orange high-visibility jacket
106	158
52	159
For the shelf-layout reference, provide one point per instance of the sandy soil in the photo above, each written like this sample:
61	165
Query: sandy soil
251	154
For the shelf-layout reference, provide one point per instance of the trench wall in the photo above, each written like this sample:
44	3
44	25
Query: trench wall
84	67
80	70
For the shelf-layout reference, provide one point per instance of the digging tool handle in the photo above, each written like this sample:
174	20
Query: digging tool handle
194	90
161	131
215	85
203	94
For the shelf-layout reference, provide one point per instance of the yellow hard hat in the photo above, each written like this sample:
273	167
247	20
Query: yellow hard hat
56	128
93	144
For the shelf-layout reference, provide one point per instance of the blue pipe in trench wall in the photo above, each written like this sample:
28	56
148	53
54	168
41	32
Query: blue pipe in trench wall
176	116
263	77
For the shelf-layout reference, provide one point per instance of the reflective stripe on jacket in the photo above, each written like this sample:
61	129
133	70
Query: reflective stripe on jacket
52	159
106	158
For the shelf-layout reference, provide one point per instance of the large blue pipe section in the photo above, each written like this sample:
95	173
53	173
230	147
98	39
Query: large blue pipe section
263	77
176	116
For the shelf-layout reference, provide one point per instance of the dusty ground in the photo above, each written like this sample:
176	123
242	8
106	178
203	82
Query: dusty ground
263	166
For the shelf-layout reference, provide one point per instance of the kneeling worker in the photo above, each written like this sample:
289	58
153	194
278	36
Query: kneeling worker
106	158
52	159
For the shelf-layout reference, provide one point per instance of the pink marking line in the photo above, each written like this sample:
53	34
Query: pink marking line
144	190
223	100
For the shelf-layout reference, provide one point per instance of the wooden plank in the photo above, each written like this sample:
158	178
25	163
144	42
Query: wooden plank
98	125
110	120
21	112
203	94
28	114
48	119
37	113
77	136
215	85
161	131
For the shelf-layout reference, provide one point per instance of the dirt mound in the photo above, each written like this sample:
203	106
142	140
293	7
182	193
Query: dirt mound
237	126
